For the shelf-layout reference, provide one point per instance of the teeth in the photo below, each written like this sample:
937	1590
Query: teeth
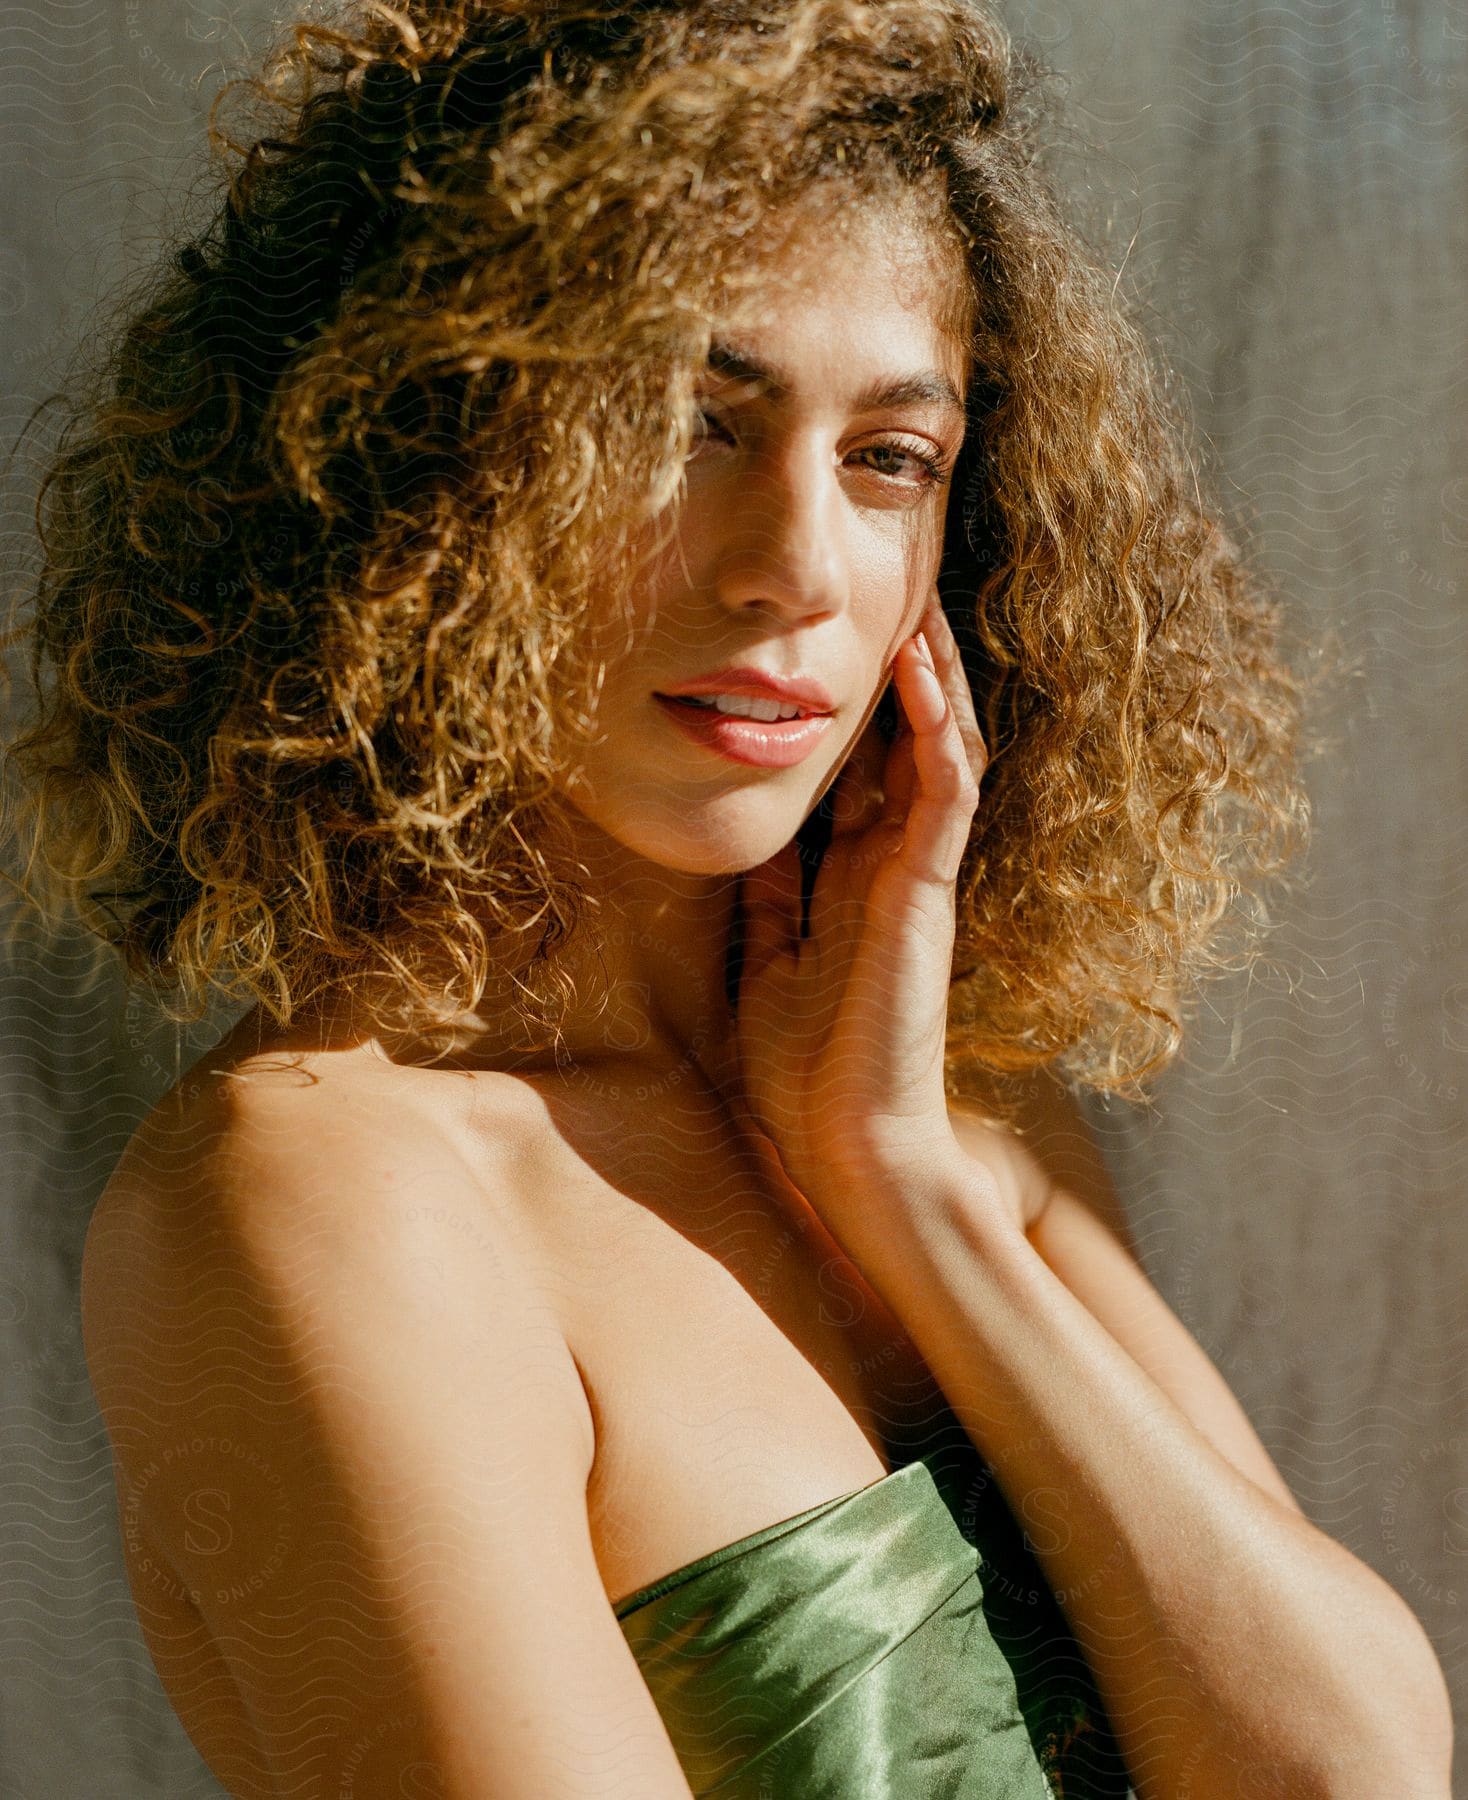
740	706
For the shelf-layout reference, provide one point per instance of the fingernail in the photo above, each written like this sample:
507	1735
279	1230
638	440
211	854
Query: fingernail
922	648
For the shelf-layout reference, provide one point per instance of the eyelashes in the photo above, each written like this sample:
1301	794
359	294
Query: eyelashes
933	467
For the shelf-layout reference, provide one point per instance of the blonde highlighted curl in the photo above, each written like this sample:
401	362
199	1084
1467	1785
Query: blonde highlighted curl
326	518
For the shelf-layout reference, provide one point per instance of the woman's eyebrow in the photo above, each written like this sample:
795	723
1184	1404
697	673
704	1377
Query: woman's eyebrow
922	387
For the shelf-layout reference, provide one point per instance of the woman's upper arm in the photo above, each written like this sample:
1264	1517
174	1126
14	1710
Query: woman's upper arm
341	1407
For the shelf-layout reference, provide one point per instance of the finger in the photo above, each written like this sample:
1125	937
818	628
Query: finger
899	776
940	813
856	800
948	663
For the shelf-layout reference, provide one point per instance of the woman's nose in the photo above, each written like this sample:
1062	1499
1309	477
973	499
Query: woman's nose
783	544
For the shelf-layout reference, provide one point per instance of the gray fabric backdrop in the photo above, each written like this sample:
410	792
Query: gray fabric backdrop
1290	181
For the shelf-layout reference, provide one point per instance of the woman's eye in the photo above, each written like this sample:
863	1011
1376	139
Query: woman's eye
929	464
927	461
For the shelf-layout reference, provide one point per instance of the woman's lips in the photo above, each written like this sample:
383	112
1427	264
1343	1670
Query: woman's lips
779	744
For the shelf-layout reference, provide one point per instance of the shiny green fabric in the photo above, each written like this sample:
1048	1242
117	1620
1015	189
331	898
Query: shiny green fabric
896	1643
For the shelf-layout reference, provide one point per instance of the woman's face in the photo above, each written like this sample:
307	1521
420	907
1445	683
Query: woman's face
805	547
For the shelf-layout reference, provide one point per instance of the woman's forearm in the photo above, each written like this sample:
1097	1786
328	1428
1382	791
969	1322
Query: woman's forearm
1229	1637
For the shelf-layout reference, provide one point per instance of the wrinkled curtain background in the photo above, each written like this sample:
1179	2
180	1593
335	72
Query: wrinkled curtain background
1286	182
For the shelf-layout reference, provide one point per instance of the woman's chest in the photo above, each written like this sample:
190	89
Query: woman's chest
738	1366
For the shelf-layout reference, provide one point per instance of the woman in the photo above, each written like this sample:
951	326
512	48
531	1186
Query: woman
601	1323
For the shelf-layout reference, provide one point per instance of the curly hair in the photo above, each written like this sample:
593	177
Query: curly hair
325	519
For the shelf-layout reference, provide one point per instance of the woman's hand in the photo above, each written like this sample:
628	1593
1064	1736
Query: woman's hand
841	1034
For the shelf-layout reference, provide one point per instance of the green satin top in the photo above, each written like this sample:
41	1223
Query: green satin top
896	1643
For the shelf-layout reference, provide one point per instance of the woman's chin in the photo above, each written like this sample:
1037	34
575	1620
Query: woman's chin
716	842
727	856
696	834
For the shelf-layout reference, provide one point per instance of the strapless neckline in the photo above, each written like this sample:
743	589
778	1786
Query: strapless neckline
895	1642
764	1534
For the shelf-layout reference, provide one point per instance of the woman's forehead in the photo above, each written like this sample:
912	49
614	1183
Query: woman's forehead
860	315
877	264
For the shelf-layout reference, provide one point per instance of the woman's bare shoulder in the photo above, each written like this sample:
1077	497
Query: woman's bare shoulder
296	1168
293	1107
